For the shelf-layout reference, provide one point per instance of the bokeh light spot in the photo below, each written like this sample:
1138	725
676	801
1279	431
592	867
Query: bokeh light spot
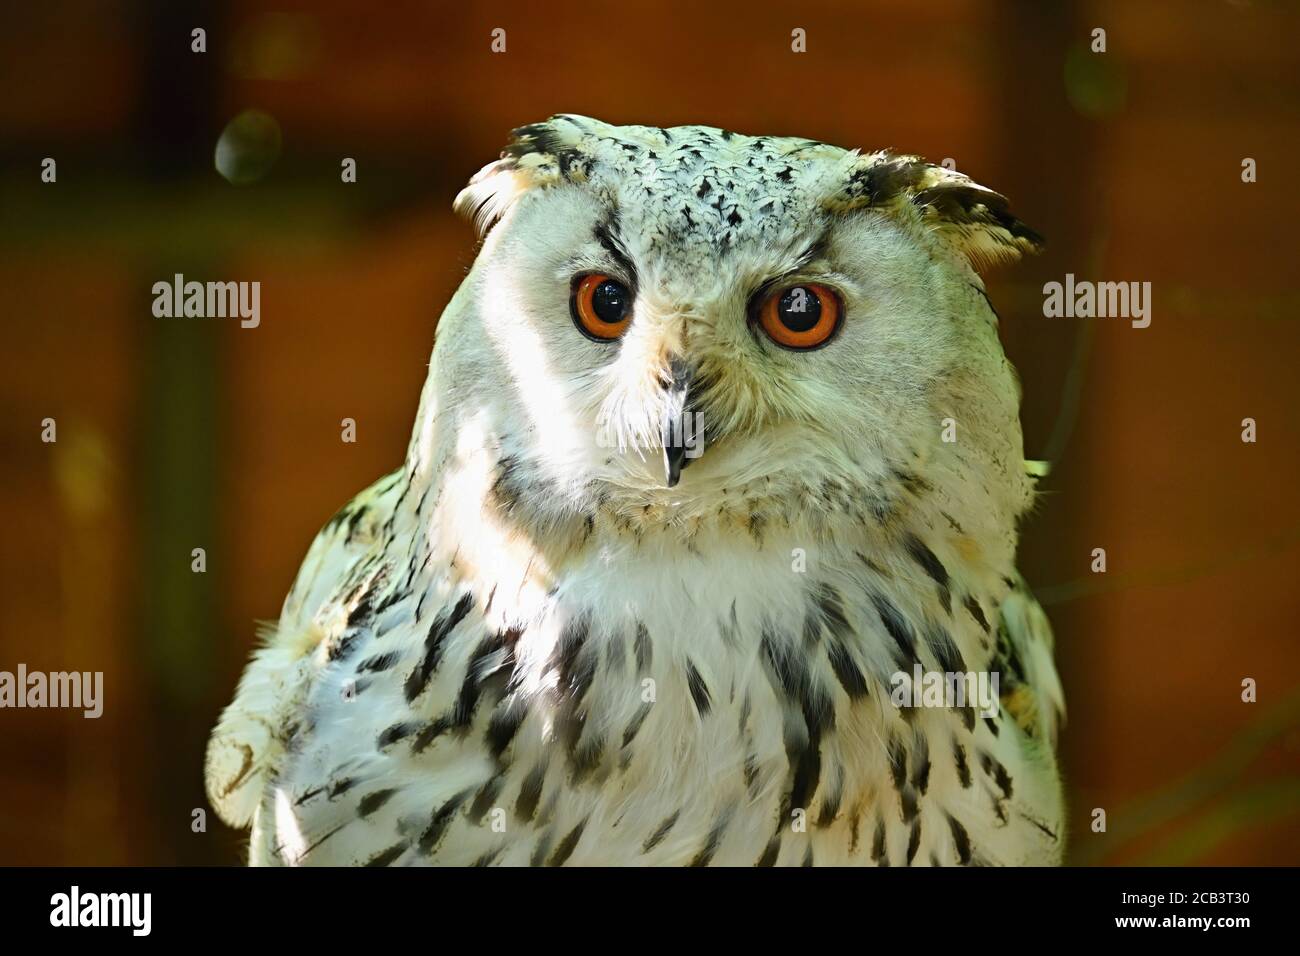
248	147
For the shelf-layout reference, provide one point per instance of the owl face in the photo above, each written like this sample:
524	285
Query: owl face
662	320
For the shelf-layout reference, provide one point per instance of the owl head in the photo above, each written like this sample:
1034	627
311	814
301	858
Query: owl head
673	326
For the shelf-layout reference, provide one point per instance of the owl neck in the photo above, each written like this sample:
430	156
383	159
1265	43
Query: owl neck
510	539
505	528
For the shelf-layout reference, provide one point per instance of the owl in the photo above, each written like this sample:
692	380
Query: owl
703	550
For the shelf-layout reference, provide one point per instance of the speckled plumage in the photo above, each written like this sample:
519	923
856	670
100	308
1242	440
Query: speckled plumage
523	647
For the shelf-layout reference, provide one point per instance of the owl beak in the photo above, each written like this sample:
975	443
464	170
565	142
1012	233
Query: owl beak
674	461
683	438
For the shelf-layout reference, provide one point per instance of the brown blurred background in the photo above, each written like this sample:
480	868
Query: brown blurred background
176	434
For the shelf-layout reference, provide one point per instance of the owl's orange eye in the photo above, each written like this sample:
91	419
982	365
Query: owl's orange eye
802	316
601	306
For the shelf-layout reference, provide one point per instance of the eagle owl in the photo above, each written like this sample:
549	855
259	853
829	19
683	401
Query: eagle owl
718	450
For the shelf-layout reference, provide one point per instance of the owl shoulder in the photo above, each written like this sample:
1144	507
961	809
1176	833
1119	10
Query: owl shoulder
249	739
1030	687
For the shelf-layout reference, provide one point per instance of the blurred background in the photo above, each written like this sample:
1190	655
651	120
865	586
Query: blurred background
177	434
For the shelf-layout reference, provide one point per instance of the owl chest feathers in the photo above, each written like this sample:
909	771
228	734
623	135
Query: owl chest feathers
727	702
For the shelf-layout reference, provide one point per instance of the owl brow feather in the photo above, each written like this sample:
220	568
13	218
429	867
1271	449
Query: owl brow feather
606	234
815	250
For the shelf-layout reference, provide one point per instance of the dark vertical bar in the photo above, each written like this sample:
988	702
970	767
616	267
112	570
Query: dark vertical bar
1051	159
174	131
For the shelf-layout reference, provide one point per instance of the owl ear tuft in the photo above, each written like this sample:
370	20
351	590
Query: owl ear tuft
973	220
491	192
976	221
538	155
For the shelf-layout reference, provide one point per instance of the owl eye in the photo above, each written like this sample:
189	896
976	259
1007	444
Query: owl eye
801	317
601	306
